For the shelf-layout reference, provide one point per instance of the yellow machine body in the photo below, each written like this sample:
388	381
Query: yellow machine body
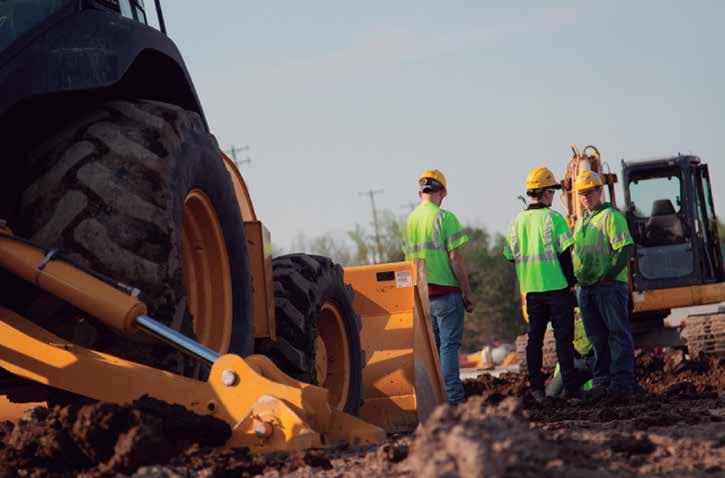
259	247
589	159
402	377
266	409
661	299
642	301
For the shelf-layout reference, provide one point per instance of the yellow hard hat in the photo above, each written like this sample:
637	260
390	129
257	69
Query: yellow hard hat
540	178
435	175
587	180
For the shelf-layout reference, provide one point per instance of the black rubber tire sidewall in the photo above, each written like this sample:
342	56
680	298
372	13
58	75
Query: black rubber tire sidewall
200	167
323	282
154	151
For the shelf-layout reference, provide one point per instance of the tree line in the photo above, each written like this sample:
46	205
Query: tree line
498	313
493	280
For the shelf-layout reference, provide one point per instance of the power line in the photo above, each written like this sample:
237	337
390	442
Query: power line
233	153
409	205
371	193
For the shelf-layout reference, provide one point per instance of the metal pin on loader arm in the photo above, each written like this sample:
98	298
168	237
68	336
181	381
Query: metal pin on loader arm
266	409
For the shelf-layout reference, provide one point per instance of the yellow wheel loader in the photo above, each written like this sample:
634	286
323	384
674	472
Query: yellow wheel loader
678	257
133	262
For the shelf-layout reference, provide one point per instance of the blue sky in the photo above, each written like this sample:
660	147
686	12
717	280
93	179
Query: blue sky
338	97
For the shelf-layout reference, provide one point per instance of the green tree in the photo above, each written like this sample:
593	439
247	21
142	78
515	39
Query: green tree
327	246
391	237
498	313
322	245
364	251
390	228
493	279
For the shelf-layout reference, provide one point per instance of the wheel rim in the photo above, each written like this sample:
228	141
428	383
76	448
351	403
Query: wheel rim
336	369
207	277
320	360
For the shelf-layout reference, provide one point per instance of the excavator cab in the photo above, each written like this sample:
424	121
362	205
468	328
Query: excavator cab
671	215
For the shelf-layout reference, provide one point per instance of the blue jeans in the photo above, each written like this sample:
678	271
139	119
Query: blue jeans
446	314
605	313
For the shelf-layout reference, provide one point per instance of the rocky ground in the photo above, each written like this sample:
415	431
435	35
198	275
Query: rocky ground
676	429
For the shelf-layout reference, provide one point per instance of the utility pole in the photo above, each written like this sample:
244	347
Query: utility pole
371	193
233	153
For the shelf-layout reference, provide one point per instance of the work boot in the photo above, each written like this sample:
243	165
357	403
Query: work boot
573	394
618	394
595	394
638	390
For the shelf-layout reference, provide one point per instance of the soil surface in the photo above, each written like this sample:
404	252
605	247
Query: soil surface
675	429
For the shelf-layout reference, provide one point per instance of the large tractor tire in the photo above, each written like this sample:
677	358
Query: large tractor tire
137	191
318	331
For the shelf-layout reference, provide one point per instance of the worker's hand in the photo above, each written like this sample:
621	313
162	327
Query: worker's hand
468	302
574	296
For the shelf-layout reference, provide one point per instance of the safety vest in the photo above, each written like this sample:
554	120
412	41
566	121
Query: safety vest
431	233
581	342
534	241
598	235
582	346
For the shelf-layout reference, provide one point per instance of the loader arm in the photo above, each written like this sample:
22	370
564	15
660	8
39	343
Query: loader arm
265	409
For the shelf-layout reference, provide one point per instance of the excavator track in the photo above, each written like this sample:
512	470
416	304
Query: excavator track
705	333
549	350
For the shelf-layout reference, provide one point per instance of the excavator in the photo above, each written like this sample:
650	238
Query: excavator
133	262
678	260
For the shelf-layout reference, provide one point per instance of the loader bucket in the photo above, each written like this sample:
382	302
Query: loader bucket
402	375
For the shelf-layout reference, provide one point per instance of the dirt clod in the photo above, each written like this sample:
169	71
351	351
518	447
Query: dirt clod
103	438
393	452
477	440
674	429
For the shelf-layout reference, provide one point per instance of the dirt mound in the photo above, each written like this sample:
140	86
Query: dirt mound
103	438
219	462
674	430
679	406
659	435
657	373
660	373
477	440
495	389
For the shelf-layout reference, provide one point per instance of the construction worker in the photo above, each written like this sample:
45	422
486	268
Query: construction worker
602	249
539	243
436	235
583	364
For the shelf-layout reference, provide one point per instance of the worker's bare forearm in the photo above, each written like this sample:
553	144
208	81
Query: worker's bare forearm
459	270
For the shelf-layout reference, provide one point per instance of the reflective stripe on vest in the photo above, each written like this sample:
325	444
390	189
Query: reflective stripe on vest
430	231
435	242
549	252
531	244
594	247
601	245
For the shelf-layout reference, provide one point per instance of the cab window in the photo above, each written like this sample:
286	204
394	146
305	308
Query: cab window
647	195
133	9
